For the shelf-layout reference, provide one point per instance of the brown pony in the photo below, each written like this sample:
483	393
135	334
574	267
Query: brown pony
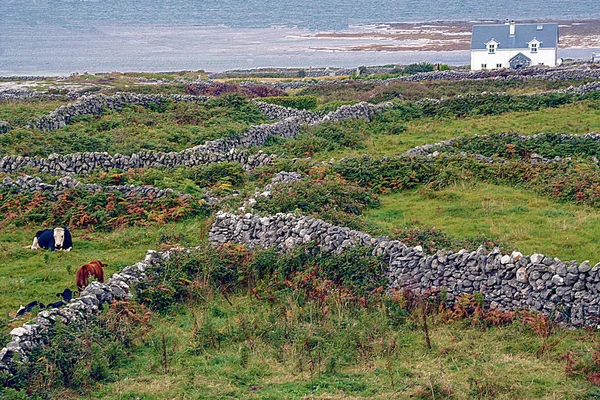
93	268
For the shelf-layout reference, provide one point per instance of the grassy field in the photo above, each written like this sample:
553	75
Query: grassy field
300	335
20	112
361	358
29	275
522	220
169	127
373	91
577	118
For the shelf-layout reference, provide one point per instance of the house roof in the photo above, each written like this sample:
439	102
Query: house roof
524	33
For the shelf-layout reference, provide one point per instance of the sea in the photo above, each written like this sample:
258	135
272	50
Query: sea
60	37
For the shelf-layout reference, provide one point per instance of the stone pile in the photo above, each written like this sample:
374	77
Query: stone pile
567	291
281	178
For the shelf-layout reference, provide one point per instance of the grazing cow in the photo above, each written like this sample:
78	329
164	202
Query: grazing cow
93	268
53	239
29	307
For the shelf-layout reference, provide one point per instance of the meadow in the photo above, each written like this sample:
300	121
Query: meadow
234	323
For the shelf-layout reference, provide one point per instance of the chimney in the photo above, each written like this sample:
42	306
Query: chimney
506	21
512	27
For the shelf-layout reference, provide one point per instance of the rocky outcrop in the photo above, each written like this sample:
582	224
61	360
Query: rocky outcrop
567	291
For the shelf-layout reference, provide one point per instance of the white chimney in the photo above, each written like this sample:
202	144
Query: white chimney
506	21
512	27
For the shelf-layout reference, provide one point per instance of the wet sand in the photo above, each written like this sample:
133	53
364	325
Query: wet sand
446	36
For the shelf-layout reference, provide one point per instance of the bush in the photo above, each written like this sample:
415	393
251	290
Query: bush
105	210
316	196
299	102
79	355
191	276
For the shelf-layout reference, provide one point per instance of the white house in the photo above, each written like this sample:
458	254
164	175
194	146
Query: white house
512	45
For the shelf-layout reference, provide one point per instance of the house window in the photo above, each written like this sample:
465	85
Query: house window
533	47
498	65
483	66
491	48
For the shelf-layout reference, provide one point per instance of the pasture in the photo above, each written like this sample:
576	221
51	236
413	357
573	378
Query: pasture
281	327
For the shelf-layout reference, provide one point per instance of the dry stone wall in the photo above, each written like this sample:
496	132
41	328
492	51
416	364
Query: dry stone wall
553	74
210	152
93	105
27	183
567	291
451	143
36	333
280	113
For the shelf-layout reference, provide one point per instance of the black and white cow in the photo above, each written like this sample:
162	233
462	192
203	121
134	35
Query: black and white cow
53	239
66	295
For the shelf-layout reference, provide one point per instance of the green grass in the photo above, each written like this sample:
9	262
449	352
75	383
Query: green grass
29	275
170	127
20	112
261	352
529	223
464	362
578	118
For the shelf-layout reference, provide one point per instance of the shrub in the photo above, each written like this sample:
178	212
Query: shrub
299	102
81	354
315	196
105	210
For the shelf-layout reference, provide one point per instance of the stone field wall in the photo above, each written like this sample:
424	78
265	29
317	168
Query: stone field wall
91	300
220	150
553	74
27	183
567	291
93	105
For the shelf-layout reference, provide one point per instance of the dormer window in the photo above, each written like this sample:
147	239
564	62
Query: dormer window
534	45
492	45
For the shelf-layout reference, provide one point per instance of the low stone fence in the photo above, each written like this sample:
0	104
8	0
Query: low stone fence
280	113
553	74
451	143
27	183
36	333
568	292
93	105
220	150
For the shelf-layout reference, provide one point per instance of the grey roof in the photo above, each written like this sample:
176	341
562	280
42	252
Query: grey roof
548	36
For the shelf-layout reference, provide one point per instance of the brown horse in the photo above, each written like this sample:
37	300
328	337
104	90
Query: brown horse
93	268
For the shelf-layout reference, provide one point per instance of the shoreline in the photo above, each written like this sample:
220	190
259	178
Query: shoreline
56	51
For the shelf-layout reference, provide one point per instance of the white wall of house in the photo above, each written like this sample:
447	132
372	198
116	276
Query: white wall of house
500	58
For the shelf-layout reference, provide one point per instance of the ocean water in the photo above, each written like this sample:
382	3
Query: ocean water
65	36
